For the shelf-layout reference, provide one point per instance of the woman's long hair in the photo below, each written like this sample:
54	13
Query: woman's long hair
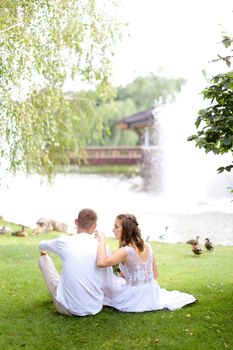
131	233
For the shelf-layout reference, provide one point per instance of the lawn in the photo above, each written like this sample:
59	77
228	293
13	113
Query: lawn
28	319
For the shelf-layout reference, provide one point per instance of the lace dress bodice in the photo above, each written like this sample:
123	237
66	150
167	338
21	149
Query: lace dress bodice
136	271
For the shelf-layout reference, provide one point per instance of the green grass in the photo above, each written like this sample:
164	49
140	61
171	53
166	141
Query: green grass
101	169
28	319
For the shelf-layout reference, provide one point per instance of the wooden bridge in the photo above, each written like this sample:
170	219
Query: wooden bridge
103	155
118	155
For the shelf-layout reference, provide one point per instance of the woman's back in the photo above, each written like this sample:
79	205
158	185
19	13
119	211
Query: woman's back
140	291
138	269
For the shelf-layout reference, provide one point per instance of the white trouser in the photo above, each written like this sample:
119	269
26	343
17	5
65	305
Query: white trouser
51	277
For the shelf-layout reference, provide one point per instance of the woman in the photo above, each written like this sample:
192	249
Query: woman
138	291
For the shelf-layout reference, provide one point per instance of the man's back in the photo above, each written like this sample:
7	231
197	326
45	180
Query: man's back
79	289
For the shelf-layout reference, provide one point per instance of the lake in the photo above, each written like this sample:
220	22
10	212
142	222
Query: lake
173	219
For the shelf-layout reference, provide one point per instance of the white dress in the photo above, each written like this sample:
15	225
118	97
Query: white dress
139	291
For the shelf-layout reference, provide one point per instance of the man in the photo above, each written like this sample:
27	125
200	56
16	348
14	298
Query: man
79	289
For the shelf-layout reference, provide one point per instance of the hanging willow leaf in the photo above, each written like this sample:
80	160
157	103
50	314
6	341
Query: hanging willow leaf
43	45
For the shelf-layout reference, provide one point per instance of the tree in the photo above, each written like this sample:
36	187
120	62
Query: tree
215	123
130	99
44	44
144	91
114	136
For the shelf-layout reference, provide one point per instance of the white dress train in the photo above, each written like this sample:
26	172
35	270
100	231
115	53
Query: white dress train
139	291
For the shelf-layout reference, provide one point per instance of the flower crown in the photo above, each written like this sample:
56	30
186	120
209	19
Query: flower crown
131	218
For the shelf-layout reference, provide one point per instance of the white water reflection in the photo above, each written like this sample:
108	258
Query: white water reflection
27	199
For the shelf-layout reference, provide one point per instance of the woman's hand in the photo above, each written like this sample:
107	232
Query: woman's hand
99	235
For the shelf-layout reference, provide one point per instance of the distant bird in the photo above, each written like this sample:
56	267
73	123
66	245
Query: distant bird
3	230
209	245
164	234
21	233
193	241
196	248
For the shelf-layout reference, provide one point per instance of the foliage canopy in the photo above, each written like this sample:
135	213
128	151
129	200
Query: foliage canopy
44	44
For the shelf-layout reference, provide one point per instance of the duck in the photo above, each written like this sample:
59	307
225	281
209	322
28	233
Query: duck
3	230
196	248
209	245
193	241
21	233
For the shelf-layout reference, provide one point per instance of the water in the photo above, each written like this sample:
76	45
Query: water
193	199
27	199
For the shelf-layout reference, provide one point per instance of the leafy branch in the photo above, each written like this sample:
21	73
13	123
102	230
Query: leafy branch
215	123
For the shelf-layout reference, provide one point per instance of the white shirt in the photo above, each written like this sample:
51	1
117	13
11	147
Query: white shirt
80	288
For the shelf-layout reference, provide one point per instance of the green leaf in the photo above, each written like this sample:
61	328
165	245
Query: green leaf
192	137
220	170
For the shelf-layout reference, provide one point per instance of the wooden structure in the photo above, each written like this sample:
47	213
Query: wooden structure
101	155
141	122
137	121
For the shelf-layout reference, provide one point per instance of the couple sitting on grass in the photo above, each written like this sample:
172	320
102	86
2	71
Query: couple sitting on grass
87	281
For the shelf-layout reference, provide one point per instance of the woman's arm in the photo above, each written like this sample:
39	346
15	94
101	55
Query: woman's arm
103	259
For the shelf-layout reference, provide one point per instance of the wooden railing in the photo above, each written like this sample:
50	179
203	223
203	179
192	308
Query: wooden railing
109	155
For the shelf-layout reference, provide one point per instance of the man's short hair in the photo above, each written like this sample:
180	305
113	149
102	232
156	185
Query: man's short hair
86	218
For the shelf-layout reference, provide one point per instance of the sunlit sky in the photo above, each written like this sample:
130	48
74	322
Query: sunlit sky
179	36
